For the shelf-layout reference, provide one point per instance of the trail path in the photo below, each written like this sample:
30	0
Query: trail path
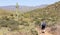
40	32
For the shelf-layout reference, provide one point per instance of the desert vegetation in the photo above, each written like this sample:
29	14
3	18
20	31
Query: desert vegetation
26	23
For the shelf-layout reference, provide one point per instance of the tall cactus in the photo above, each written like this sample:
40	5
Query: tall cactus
17	10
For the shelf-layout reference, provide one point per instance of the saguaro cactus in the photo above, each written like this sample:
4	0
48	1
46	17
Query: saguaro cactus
17	11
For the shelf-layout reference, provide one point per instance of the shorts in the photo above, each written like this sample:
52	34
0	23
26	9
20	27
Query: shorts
43	27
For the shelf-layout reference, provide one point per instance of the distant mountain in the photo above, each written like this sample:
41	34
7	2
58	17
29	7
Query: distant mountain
22	8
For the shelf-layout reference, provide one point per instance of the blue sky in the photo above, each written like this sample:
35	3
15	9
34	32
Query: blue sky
26	2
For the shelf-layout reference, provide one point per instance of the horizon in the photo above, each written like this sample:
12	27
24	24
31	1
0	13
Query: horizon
27	2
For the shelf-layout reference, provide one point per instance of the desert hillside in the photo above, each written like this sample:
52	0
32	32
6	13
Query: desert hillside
29	23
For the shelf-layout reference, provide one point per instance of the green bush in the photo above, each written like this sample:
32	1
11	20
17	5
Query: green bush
34	32
25	23
12	24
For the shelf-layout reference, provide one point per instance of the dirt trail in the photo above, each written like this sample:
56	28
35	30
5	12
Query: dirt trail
40	31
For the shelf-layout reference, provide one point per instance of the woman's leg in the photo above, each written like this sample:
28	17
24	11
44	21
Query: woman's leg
43	29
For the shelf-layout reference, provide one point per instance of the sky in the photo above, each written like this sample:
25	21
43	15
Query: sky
26	2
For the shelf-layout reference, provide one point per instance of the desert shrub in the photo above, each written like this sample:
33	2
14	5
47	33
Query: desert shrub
37	23
34	32
25	23
51	23
5	17
11	15
12	24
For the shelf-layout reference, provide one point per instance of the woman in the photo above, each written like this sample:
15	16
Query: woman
43	26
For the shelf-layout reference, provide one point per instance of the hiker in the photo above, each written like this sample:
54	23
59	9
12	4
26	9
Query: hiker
43	26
